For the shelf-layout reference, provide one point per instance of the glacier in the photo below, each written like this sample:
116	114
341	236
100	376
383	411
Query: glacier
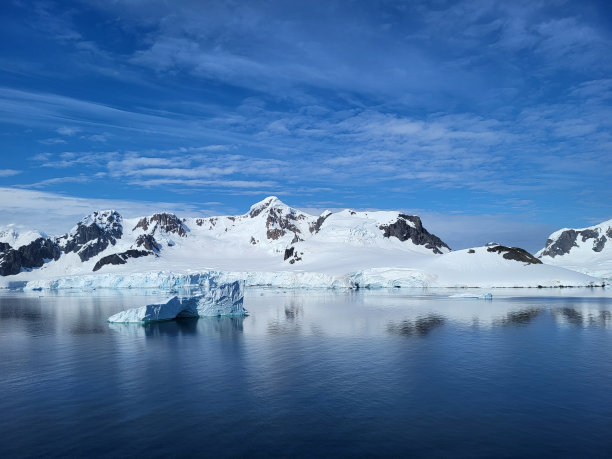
147	280
225	299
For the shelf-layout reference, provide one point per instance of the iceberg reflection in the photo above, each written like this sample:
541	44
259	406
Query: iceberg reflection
222	326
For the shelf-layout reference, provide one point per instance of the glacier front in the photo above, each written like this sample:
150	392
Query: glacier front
224	299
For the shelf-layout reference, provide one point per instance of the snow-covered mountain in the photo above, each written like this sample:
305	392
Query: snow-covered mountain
587	250
272	244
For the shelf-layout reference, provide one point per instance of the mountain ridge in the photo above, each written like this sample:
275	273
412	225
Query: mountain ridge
587	250
273	244
270	223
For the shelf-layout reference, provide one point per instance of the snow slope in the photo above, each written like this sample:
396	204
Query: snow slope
276	245
16	239
586	250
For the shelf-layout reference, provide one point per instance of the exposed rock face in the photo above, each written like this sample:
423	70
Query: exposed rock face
168	223
289	252
92	235
279	223
292	255
402	230
280	219
316	226
564	242
149	243
33	255
120	258
515	253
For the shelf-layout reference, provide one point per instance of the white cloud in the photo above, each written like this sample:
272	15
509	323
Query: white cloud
9	172
52	141
68	131
55	213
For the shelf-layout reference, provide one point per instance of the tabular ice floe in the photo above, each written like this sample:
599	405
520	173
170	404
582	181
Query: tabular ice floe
218	300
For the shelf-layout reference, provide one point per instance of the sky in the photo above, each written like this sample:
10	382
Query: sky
491	120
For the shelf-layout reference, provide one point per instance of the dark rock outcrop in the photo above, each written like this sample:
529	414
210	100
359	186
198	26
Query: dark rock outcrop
402	230
568	239
316	226
515	253
92	235
292	255
599	244
289	252
120	258
168	223
280	219
149	243
33	255
278	224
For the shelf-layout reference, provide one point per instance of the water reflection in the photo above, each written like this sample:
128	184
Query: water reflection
421	326
318	312
293	310
521	317
211	326
583	317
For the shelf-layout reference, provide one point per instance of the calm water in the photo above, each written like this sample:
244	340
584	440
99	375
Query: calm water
390	373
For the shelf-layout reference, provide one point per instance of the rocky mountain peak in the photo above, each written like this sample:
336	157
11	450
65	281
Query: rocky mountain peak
165	222
32	255
280	219
268	204
92	234
110	221
563	241
410	227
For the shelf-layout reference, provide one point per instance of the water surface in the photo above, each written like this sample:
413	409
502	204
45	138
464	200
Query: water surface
308	373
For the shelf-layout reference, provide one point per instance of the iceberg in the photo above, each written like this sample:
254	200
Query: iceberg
218	300
484	296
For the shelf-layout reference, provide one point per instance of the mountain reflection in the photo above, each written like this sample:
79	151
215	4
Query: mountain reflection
584	317
293	311
421	326
521	317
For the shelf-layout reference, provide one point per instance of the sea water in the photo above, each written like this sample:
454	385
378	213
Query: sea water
310	373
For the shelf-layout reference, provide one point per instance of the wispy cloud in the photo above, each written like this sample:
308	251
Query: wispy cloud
9	172
472	103
56	213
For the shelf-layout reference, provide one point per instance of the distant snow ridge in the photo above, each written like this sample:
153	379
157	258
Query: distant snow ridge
272	245
587	250
18	239
216	300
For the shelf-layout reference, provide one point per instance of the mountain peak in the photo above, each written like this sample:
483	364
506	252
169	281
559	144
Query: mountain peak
271	202
102	218
562	242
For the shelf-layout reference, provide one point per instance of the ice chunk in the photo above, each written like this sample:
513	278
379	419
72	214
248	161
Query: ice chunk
218	300
484	296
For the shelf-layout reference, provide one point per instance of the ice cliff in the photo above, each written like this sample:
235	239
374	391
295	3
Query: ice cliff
216	299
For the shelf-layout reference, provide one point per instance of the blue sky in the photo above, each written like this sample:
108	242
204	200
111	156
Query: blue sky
491	120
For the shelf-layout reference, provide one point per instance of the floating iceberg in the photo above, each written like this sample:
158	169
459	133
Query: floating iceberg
218	300
484	296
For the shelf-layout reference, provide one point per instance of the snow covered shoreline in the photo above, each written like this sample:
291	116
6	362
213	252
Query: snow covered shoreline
536	276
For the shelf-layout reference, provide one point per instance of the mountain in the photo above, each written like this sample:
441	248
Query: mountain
587	250
274	244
